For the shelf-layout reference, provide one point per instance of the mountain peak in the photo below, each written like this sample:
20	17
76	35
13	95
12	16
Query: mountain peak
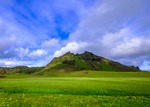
88	53
68	52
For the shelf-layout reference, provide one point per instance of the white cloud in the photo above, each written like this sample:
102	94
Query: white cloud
12	63
72	47
131	47
23	52
18	53
40	53
134	47
125	44
145	65
38	63
52	43
106	17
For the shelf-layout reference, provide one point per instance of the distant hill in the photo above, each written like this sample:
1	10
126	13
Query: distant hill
85	61
19	70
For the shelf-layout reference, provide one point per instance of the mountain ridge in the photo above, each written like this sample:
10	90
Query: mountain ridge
85	61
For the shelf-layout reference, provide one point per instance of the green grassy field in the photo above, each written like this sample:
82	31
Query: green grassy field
76	89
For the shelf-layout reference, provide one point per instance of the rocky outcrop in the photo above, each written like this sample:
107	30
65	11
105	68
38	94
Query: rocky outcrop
70	62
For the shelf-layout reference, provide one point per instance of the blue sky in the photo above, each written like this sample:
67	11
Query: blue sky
32	32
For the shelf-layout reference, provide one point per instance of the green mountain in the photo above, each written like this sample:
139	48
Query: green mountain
85	61
70	62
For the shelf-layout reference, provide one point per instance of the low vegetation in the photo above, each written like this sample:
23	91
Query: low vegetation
76	89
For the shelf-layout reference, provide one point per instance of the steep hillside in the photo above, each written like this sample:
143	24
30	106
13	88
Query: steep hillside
63	63
85	61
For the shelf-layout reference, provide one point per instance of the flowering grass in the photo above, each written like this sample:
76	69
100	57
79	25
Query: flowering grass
60	100
69	90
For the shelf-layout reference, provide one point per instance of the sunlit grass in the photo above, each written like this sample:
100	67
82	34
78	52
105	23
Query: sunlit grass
76	90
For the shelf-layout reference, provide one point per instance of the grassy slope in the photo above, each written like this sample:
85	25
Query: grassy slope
75	89
81	65
56	64
85	61
107	67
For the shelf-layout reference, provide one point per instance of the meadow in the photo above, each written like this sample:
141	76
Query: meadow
76	89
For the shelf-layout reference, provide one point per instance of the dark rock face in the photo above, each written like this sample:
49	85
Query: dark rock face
2	76
137	67
96	59
70	62
89	56
120	66
3	72
134	67
114	63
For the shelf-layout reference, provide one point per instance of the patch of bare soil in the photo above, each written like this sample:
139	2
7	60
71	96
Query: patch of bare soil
83	61
86	72
2	76
66	69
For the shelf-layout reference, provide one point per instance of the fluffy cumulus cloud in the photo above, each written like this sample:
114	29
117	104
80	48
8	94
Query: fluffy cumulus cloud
40	53
34	31
72	47
11	63
146	65
8	63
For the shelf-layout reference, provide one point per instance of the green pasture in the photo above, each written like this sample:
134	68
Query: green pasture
76	89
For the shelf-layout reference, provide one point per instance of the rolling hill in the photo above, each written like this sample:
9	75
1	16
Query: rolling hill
20	70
